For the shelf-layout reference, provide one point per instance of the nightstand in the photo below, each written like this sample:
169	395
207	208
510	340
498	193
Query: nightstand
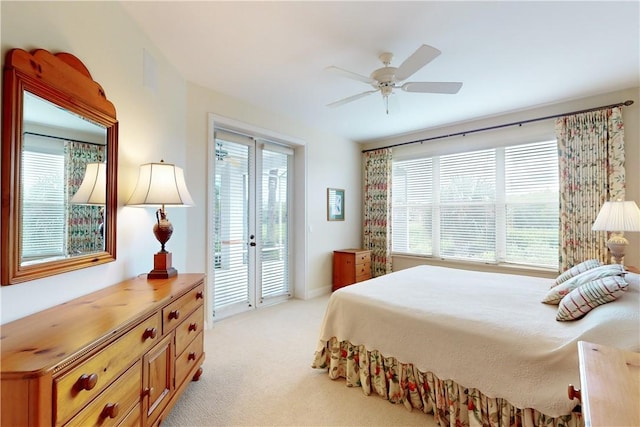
610	380
350	266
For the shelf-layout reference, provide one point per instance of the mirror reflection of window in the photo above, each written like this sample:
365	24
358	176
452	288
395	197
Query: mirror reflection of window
43	199
53	169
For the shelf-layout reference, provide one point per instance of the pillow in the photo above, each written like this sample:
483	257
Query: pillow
577	269
590	295
556	293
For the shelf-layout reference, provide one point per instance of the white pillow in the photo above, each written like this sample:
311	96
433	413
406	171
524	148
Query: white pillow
577	269
556	293
585	298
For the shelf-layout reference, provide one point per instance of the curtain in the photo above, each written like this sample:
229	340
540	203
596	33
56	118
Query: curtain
377	209
84	222
591	167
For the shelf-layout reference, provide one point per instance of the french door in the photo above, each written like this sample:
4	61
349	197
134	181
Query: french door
251	223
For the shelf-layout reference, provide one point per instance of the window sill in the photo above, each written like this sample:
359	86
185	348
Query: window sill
400	262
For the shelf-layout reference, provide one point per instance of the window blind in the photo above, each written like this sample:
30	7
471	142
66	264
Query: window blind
43	205
496	206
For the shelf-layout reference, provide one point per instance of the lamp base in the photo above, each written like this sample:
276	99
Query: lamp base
616	245
162	268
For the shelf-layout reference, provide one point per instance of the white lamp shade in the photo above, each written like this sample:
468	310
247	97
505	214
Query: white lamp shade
160	184
618	216
93	190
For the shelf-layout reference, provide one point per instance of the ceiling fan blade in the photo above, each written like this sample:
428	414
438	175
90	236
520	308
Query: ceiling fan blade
351	75
432	87
350	98
417	60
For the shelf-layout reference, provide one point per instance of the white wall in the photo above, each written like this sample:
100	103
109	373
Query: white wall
532	132
170	123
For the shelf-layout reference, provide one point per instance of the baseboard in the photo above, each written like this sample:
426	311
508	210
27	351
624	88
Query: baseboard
313	293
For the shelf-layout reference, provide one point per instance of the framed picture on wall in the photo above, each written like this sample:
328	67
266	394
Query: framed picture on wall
335	204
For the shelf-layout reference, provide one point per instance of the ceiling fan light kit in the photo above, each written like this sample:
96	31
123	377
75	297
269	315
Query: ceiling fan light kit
388	78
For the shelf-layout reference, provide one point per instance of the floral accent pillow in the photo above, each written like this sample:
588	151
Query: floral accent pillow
555	294
585	298
577	269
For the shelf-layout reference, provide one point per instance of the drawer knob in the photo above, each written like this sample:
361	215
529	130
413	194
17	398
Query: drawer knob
573	393
200	295
147	391
87	382
174	314
110	410
150	333
193	327
192	356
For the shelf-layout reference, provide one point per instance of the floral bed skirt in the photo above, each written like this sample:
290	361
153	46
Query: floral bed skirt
451	404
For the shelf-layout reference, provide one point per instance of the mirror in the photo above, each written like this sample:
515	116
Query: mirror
59	167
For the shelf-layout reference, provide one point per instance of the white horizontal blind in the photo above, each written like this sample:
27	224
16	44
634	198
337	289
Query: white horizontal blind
231	220
273	220
43	205
467	206
495	206
532	204
412	201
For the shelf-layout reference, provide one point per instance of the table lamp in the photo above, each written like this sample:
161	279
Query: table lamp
617	217
161	184
93	190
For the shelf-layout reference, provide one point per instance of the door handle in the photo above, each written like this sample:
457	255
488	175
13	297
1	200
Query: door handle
252	244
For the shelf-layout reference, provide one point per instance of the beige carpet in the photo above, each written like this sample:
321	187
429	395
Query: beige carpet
258	373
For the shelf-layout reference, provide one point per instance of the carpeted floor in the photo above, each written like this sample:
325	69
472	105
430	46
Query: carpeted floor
258	373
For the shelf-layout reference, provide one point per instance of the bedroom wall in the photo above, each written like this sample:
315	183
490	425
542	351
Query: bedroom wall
529	133
167	121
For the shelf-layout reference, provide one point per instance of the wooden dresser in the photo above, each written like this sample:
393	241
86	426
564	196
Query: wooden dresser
118	356
350	266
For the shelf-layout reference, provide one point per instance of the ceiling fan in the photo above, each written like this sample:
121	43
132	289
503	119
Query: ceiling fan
388	78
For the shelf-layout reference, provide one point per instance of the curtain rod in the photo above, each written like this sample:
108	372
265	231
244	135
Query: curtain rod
62	138
519	123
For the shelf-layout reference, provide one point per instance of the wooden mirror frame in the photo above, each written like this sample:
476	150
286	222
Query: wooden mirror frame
63	80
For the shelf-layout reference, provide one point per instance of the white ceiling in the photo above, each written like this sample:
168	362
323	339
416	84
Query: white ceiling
510	55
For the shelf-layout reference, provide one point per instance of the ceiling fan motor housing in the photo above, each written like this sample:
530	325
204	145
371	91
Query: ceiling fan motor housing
384	77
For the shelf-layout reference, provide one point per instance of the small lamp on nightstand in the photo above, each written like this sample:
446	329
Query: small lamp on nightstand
617	217
161	184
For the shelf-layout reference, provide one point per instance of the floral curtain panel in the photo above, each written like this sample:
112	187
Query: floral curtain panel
84	221
451	404
377	209
591	164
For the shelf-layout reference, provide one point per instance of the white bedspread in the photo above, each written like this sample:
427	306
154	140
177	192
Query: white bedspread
483	330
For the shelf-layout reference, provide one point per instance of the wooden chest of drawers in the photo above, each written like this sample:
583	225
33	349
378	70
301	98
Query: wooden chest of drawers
350	266
118	356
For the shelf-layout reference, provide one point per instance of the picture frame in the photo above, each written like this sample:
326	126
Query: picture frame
335	204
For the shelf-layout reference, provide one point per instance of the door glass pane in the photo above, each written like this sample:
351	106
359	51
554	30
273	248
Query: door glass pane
231	260
274	224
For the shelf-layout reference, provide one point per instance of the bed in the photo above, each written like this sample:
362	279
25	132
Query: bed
472	348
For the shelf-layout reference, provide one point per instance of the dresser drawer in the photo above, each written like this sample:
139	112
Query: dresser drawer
112	406
175	313
133	418
186	361
187	330
77	387
363	270
363	257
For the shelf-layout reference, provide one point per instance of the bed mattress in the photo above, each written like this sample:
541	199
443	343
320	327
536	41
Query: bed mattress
487	331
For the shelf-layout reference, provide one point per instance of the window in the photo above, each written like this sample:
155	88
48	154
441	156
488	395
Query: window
493	206
43	221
